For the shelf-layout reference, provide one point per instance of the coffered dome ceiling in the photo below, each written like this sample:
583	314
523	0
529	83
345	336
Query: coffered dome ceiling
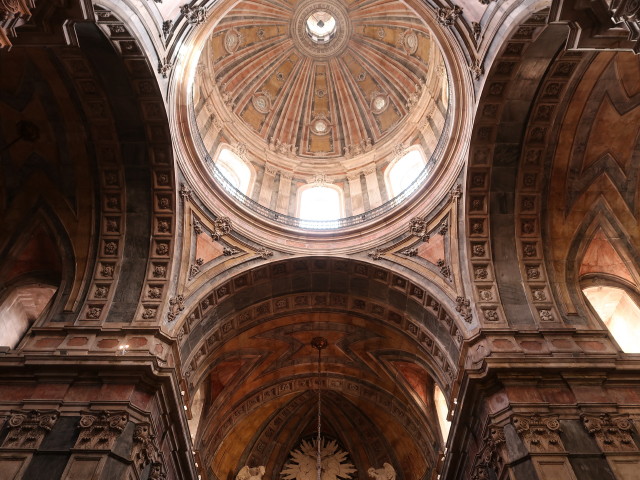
320	80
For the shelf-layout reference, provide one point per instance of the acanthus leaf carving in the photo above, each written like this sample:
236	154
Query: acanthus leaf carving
447	16
144	450
27	429
539	433
490	456
264	253
176	305
463	307
222	226
612	432
100	430
418	227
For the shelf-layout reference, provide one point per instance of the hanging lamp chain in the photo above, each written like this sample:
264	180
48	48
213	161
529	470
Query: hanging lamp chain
319	343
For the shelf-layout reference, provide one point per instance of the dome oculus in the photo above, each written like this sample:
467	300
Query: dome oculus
321	26
320	29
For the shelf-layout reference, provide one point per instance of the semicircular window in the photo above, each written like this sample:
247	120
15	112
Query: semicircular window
234	170
404	171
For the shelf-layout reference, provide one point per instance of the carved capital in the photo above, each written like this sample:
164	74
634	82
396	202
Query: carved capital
27	429
612	432
539	433
490	456
100	430
144	450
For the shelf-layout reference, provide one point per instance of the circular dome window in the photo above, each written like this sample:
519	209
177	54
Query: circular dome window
321	26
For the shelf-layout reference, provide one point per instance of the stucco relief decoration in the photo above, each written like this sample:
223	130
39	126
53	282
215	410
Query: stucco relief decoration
320	124
194	15
540	434
409	41
28	429
302	465
447	16
176	305
232	40
379	102
264	253
418	227
222	226
463	307
144	450
612	432
387	472
490	456
261	102
251	473
99	430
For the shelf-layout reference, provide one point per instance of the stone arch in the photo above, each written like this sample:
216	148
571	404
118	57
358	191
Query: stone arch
236	335
500	215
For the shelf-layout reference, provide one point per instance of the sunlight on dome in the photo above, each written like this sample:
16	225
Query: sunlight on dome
619	313
442	410
320	203
321	26
234	169
405	171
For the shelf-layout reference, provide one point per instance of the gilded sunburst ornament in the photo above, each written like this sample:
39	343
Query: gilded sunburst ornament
303	463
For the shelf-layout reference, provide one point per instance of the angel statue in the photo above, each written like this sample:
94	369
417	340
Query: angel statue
387	472
248	473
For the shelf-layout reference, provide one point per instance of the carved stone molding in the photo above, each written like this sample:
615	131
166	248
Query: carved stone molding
264	253
600	24
100	430
463	307
144	450
490	456
164	68
539	433
27	429
222	226
185	193
157	471
376	254
612	432
194	15
176	305
418	227
447	16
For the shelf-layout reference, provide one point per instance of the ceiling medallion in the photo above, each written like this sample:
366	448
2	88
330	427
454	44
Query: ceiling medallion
409	42
232	40
320	29
320	124
261	102
379	102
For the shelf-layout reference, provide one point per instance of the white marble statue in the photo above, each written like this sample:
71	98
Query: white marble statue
250	473
387	472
